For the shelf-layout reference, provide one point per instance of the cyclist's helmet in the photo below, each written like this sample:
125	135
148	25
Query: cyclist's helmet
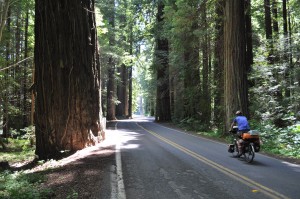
239	113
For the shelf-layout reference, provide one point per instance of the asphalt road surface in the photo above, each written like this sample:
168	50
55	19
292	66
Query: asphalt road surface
157	162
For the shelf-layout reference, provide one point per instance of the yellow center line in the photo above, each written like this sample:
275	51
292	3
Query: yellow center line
256	186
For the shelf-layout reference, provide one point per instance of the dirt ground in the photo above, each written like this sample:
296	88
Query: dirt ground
83	175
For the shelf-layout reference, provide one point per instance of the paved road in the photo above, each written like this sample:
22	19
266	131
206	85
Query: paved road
154	162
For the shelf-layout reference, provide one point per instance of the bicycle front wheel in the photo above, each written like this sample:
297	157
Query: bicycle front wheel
236	150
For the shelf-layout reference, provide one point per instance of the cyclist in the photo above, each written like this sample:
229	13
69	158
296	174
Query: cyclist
243	127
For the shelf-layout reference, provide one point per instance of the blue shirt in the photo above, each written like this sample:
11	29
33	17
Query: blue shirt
242	123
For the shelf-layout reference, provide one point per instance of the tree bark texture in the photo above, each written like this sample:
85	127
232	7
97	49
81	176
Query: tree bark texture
111	93
4	7
25	76
268	29
122	92
275	17
66	77
206	95
219	65
193	97
249	43
163	109
286	50
235	81
130	75
6	93
111	90
130	92
268	19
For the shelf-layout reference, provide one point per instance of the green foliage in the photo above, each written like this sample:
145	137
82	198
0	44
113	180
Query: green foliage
193	124
272	80
145	80
282	141
13	83
73	195
19	185
17	150
29	132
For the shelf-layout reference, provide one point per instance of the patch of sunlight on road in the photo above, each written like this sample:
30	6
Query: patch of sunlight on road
295	167
125	140
141	118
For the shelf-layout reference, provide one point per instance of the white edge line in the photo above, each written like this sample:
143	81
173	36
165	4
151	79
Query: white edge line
120	183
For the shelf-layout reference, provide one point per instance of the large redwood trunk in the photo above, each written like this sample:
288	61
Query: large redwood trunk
122	92
163	108
111	90
236	89
206	95
67	77
219	65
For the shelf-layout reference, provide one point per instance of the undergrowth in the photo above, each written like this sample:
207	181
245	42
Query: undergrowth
17	150
281	141
19	185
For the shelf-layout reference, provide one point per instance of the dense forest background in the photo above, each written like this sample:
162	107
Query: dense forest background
187	61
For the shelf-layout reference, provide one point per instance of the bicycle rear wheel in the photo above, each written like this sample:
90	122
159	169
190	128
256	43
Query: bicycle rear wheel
249	155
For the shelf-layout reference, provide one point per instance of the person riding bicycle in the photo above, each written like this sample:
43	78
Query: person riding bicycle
243	127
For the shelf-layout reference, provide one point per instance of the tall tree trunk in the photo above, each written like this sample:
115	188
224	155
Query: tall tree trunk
122	107
17	59
130	92
290	42
111	90
130	74
120	90
206	96
16	120
178	90
111	93
235	95
193	98
192	86
6	93
268	19
25	75
268	29
249	45
275	17
4	7
125	91
67	80
286	50
163	109
33	96
219	65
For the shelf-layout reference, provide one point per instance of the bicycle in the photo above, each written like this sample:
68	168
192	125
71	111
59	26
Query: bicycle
250	144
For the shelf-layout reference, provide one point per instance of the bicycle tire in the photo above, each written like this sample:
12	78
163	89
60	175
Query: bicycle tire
236	150
250	154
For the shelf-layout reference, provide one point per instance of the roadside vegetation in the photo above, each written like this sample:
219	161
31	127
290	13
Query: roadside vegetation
16	182
19	184
283	142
